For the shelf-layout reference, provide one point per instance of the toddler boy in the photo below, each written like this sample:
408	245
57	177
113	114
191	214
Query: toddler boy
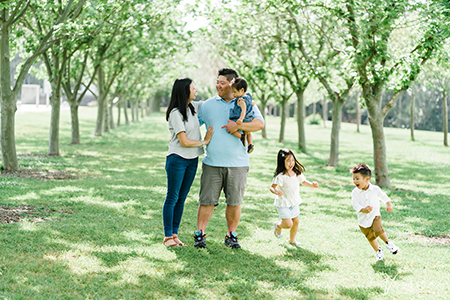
366	201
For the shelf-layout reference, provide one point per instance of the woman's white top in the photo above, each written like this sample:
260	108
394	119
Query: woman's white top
192	129
290	188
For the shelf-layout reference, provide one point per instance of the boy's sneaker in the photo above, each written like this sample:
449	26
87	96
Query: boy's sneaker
394	249
250	148
379	255
232	241
199	239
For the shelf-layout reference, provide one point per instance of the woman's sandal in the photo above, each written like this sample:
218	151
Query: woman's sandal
170	242
176	240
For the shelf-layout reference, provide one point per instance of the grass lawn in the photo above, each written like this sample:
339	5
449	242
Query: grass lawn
100	236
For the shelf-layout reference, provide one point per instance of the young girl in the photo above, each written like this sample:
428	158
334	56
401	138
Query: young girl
285	185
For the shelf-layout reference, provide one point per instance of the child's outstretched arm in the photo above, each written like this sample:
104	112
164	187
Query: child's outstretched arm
274	190
313	184
389	206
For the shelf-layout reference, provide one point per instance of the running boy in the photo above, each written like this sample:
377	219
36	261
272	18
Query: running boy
366	201
242	110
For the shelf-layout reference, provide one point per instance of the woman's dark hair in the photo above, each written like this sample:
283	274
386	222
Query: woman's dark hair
281	168
239	83
178	99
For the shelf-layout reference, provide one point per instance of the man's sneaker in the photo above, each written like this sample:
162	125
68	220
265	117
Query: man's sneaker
232	241
379	255
199	239
394	249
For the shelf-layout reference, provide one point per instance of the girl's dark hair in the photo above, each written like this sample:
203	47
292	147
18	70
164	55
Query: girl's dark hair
178	99
282	154
240	83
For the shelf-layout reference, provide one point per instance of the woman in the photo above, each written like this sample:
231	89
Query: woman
182	159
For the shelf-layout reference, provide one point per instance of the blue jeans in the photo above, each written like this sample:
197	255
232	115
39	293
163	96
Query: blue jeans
180	175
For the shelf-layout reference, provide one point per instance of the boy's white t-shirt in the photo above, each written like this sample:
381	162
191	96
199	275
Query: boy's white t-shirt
290	188
369	197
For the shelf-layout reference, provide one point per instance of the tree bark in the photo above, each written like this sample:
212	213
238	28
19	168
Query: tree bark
301	120
125	112
263	113
411	123
445	114
111	115
100	103
335	128
118	111
55	101
358	115
8	103
284	112
379	146
325	112
75	123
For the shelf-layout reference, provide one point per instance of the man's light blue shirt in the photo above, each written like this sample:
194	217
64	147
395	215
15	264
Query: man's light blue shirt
224	149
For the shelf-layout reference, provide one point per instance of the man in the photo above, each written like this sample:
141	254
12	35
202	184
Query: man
226	162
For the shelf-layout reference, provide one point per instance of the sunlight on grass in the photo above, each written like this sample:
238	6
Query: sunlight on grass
26	225
127	187
62	189
28	196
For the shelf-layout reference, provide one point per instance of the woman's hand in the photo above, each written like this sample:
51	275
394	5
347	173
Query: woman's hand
208	135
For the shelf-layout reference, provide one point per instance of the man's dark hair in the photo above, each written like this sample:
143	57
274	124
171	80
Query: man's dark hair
239	83
228	73
363	169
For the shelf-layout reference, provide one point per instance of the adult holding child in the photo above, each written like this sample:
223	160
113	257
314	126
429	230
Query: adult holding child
226	162
185	146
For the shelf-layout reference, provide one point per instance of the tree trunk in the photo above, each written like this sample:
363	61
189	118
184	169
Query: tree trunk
118	112
325	112
444	107
8	103
263	113
411	123
335	128
111	115
75	123
284	112
100	103
107	116
125	112
379	147
358	115
55	101
301	120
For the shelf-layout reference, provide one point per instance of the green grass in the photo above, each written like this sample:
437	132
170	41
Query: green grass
103	239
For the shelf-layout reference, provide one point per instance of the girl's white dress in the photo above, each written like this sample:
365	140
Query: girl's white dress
290	188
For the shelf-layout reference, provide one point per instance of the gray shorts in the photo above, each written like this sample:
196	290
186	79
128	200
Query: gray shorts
231	180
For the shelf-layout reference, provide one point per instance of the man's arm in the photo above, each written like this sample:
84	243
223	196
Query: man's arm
252	126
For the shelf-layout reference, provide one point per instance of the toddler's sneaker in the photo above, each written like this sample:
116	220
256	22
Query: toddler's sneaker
379	255
232	241
394	249
199	239
250	148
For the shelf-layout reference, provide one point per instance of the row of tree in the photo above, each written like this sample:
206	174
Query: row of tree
121	47
282	46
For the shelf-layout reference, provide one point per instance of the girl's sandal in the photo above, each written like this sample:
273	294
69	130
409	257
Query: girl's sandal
276	229
295	243
170	242
176	240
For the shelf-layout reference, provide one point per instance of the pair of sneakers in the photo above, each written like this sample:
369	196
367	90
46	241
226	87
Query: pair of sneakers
230	240
391	246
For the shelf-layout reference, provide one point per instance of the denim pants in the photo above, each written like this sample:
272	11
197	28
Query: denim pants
180	175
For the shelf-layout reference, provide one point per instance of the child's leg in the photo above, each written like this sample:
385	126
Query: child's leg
237	134
285	223
241	103
249	138
384	237
294	229
374	244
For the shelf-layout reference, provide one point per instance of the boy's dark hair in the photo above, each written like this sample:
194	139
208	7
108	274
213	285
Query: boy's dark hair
230	74
281	168
363	169
239	83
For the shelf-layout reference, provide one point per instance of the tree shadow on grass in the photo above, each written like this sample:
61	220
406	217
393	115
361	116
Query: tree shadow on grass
245	274
360	293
